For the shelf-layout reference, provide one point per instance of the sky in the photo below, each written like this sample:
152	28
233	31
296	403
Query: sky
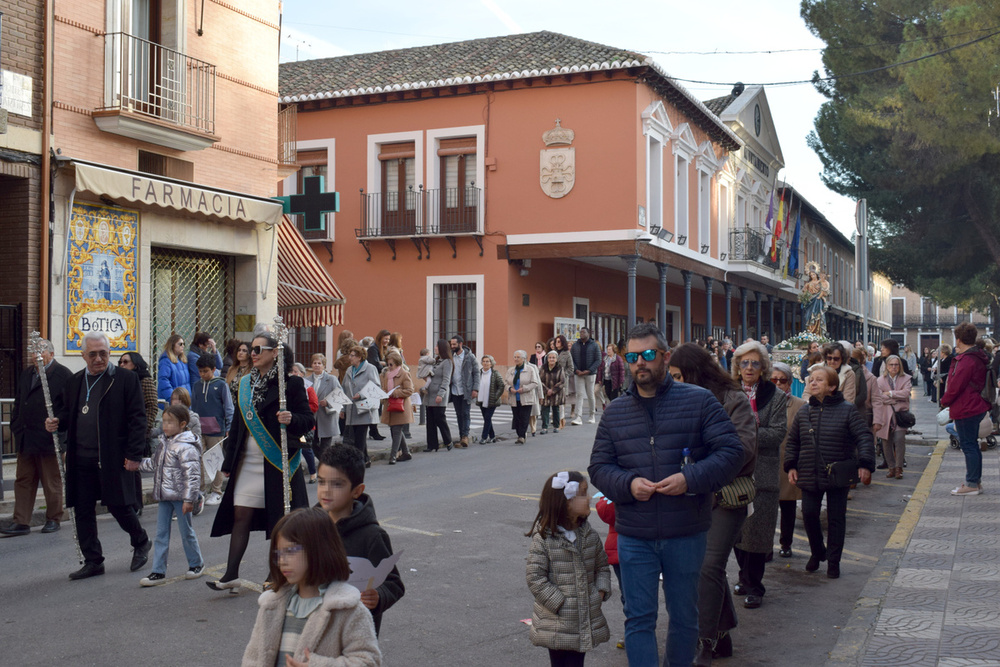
661	29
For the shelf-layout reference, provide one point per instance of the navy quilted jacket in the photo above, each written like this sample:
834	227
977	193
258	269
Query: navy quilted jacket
627	447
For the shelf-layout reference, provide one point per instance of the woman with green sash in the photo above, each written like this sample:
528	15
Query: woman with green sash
254	498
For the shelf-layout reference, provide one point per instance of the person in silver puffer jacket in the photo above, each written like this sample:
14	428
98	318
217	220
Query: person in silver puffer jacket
176	468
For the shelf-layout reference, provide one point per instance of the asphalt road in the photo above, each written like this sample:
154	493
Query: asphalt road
460	517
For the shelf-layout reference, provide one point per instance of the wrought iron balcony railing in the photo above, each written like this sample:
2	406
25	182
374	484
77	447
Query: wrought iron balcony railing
146	78
443	212
750	245
942	321
287	135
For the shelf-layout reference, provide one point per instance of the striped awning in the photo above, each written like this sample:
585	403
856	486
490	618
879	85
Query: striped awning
307	296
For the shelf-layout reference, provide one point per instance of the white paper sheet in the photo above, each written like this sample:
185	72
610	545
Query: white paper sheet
365	576
213	459
373	391
335	400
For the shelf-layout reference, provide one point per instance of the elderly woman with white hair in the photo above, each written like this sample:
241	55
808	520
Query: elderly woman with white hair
892	396
522	385
752	368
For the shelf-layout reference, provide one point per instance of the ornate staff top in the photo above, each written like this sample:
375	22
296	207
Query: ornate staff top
35	347
280	330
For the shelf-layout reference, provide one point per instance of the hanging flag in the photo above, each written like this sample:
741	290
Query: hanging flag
777	228
770	210
793	258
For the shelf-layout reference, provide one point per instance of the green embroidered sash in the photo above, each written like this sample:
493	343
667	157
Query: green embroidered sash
270	448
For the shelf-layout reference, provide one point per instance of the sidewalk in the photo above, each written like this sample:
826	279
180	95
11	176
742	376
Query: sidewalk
934	598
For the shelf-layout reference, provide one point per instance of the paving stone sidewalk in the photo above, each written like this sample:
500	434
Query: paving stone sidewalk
942	604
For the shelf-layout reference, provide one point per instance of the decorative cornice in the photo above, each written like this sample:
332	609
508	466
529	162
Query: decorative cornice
78	24
248	84
247	154
74	109
247	14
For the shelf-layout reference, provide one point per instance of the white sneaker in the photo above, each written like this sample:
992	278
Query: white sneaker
591	421
576	422
213	498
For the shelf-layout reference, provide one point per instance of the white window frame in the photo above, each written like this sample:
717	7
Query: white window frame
434	138
657	129
480	282
375	142
684	147
290	186
582	301
724	187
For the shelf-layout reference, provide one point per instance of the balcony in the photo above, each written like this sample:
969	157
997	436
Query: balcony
935	322
753	247
157	95
413	213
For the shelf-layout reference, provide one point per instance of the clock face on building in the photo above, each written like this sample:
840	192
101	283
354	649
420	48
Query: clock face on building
756	119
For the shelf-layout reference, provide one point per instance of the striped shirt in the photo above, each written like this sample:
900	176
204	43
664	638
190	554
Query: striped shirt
296	615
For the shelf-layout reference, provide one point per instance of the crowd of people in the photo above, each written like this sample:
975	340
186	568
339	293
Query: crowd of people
690	437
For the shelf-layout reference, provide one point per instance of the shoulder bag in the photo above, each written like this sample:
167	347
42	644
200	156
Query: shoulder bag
840	474
737	494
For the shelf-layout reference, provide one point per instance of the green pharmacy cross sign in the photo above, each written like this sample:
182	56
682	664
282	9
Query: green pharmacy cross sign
312	203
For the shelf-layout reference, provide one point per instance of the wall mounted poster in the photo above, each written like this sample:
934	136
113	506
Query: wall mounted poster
101	275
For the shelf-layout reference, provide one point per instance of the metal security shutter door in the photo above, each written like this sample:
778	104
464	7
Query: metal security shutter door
191	292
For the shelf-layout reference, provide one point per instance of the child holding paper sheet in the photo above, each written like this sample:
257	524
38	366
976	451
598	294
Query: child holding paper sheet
311	612
341	493
567	617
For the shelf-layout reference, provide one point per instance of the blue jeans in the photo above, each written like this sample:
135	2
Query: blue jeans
162	542
642	562
463	414
968	437
488	432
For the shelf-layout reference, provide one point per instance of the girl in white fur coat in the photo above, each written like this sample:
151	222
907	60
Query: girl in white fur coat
312	617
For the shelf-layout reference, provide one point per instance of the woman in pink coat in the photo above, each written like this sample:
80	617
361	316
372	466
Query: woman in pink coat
892	395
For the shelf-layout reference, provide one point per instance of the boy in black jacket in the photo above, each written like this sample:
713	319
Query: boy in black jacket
341	477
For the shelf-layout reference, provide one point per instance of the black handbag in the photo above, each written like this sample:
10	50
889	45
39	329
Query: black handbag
840	474
905	419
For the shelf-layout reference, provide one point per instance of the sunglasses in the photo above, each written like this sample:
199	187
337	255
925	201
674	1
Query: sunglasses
748	363
633	357
122	362
833	357
777	380
257	349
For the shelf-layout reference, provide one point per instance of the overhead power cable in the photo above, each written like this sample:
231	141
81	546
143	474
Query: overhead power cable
849	75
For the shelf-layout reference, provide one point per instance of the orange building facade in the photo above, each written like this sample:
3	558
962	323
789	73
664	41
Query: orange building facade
511	188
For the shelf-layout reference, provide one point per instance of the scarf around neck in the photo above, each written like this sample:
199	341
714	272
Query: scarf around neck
260	382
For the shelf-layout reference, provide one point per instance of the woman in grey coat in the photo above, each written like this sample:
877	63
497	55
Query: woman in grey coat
752	368
436	393
358	375
328	415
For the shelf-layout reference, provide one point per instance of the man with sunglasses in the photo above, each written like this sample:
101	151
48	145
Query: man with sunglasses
104	420
663	507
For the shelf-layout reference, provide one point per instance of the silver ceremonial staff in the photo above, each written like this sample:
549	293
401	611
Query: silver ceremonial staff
281	335
35	350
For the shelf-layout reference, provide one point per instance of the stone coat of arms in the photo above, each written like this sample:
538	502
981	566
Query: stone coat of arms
557	166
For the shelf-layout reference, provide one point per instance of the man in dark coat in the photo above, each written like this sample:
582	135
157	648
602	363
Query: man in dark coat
586	354
663	505
36	455
104	419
